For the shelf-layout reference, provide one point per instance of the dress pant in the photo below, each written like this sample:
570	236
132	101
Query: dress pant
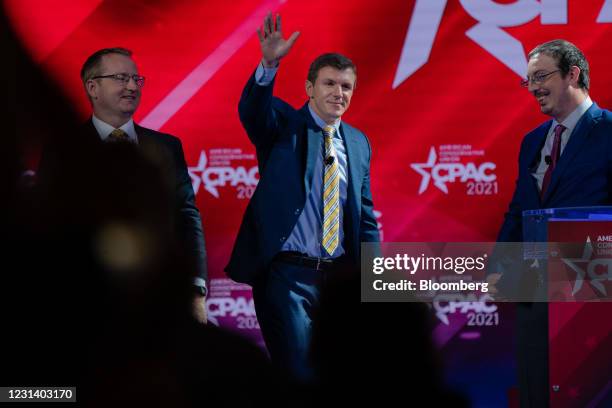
532	354
286	300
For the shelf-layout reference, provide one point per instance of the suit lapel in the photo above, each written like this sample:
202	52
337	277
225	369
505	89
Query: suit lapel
314	138
533	154
314	142
577	139
154	150
90	133
352	153
143	139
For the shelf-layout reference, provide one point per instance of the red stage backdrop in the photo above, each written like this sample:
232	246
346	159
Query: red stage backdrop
438	96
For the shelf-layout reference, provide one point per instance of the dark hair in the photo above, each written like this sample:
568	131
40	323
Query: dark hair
566	55
92	64
338	61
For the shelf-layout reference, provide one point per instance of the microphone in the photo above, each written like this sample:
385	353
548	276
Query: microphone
548	160
329	160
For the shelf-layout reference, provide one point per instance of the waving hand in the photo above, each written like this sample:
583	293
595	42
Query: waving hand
273	45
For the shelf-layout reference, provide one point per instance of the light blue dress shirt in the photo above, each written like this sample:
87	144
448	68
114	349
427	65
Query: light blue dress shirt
307	234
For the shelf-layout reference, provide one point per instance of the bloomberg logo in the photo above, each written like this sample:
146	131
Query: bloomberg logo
487	32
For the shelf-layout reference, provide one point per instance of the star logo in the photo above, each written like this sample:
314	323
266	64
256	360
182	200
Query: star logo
196	179
589	268
587	252
424	169
216	170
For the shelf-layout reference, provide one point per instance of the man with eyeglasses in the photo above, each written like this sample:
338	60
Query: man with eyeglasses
113	86
566	161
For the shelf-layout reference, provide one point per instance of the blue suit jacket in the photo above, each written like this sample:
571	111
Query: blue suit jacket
583	176
167	152
287	142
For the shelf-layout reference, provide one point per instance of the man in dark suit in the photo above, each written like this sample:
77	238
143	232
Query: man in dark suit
312	207
113	87
565	162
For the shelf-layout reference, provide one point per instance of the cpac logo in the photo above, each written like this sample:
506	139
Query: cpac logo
593	266
450	303
227	306
443	173
214	177
487	33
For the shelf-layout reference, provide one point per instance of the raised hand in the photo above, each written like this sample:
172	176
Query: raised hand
273	45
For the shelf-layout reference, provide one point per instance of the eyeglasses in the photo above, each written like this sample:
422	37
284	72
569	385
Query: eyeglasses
537	78
124	78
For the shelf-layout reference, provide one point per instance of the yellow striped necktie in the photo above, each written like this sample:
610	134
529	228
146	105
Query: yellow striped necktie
331	194
118	135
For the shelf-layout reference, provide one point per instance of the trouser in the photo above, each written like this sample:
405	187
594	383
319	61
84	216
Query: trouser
286	301
532	354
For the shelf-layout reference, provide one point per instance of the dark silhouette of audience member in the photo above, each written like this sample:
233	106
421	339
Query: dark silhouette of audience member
376	352
95	293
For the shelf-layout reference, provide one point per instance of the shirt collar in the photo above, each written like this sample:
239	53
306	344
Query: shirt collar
321	123
573	118
104	129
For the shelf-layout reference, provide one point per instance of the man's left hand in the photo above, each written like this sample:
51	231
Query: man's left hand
199	309
492	280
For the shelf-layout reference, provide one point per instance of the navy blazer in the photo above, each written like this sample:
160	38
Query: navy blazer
582	177
166	151
287	142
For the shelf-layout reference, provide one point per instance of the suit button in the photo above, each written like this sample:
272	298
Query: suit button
297	211
282	239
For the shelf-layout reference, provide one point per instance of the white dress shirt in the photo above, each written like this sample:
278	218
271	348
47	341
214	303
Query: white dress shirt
569	123
104	129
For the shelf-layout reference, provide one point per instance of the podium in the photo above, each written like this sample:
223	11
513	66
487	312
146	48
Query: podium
579	307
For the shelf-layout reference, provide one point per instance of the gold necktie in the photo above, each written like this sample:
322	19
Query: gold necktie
331	194
118	135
